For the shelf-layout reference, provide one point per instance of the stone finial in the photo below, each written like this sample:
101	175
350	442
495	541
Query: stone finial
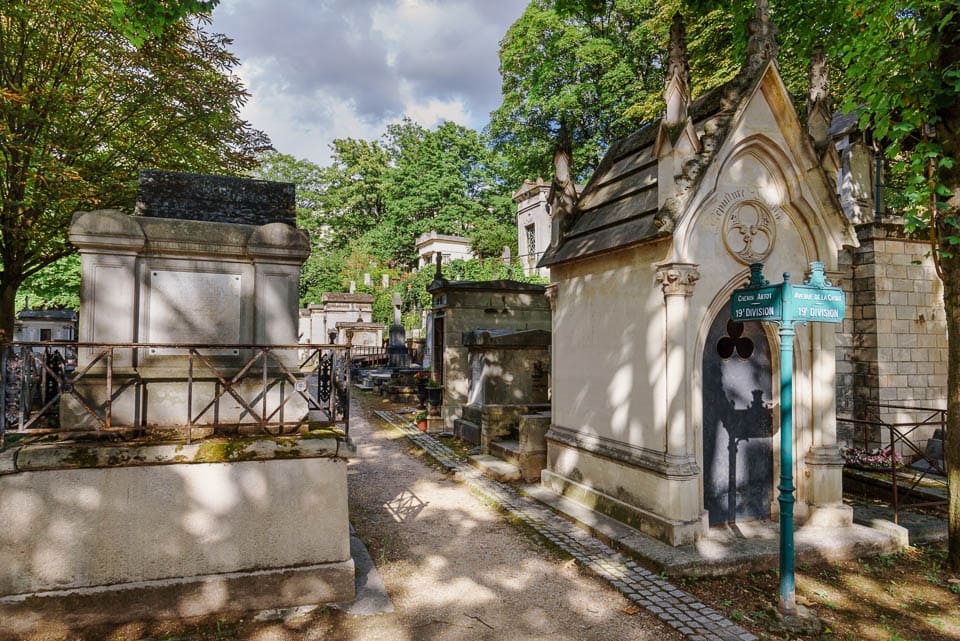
819	108
678	279
677	63
676	91
563	190
762	44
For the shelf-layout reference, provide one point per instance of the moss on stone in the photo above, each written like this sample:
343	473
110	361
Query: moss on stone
224	452
322	432
82	457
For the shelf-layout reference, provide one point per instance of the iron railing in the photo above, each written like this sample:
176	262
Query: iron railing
877	428
257	382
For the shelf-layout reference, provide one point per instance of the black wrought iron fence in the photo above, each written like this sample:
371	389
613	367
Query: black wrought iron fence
270	388
889	442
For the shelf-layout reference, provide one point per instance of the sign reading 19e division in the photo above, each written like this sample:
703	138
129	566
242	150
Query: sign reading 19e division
762	304
815	300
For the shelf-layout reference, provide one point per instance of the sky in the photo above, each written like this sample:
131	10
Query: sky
324	69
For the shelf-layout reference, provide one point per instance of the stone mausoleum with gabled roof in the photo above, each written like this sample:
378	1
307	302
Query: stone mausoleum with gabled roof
653	422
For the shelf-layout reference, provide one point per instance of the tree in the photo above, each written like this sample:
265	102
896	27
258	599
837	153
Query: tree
488	241
56	286
595	65
139	19
81	110
355	195
446	180
904	72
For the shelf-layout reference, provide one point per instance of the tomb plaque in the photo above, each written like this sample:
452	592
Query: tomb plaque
193	308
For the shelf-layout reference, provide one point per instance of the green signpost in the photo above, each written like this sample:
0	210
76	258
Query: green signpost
786	304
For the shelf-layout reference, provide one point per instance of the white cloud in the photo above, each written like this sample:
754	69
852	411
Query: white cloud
341	68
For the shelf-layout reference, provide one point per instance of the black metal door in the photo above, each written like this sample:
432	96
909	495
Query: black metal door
737	422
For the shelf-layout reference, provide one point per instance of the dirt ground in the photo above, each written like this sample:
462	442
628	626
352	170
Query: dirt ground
453	566
908	596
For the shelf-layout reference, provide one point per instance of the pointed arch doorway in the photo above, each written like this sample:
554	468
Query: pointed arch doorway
737	422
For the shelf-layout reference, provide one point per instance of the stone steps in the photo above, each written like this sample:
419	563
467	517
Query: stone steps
508	450
494	468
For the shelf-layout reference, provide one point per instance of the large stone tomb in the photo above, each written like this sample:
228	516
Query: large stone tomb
183	282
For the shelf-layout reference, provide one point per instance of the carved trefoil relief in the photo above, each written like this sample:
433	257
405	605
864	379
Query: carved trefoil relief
747	225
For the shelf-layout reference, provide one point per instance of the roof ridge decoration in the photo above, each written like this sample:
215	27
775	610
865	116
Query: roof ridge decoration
563	189
762	44
819	107
678	64
761	51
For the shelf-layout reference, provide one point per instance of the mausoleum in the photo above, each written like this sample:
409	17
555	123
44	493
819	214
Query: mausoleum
459	308
664	411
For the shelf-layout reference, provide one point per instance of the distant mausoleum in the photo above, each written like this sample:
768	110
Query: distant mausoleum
533	225
36	325
460	308
337	313
448	247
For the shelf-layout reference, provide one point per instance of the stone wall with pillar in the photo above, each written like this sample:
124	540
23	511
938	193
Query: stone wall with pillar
621	439
893	347
677	281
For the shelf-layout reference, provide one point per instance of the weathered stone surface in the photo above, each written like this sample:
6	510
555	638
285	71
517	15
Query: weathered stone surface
154	522
170	194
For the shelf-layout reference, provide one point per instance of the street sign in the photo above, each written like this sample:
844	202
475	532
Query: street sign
757	304
819	304
817	301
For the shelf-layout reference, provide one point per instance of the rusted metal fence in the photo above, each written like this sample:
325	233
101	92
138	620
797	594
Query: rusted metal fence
898	435
38	377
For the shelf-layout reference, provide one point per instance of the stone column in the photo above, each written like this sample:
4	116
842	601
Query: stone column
550	293
677	281
824	482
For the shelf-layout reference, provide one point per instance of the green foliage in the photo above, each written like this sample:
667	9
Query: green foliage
309	179
81	110
140	19
598	66
445	180
354	196
488	241
56	286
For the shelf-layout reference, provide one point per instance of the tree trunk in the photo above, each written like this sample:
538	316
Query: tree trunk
951	444
948	133
8	299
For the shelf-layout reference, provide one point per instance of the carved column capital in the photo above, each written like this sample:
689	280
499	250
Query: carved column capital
678	279
551	295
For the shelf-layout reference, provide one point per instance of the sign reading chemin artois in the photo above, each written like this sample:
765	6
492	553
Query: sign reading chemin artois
786	304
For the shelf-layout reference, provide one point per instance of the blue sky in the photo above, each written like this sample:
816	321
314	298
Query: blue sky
325	69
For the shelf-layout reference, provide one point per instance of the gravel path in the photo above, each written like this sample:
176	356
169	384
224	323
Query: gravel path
456	569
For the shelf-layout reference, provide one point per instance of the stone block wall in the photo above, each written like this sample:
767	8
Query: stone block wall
892	349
